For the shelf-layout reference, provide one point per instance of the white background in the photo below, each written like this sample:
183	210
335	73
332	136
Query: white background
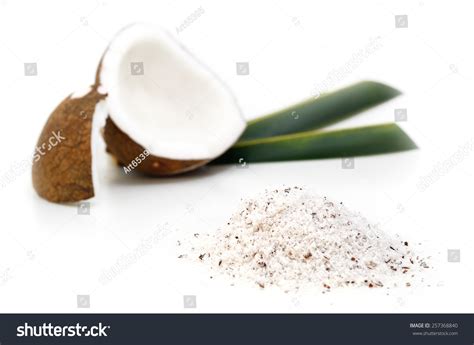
49	253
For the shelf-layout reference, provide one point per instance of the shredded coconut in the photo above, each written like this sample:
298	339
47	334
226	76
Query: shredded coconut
292	238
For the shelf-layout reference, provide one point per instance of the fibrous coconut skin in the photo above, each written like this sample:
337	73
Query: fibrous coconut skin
64	173
125	150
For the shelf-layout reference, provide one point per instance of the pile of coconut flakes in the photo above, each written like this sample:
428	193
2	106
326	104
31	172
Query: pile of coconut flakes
293	238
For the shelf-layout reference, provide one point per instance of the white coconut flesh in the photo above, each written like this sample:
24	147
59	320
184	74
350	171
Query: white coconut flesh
164	99
98	145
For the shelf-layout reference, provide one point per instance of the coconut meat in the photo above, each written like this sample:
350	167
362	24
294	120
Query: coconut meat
164	99
97	145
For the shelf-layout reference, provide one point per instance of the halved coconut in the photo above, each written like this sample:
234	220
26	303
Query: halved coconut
163	100
160	100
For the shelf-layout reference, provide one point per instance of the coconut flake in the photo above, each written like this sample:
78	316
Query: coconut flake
97	145
293	238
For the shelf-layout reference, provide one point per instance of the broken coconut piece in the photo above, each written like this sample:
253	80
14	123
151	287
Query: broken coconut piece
62	163
161	99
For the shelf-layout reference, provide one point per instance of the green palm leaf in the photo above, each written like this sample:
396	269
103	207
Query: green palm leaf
322	111
358	141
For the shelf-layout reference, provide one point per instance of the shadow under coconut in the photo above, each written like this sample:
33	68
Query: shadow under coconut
117	176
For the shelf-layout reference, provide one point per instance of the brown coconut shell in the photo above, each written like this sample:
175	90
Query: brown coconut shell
125	150
64	172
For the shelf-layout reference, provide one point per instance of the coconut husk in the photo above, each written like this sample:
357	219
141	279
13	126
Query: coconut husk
64	172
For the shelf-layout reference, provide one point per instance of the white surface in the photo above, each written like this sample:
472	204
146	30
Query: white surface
49	253
175	107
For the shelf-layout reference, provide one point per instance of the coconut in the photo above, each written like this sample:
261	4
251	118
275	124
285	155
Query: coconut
62	164
159	99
